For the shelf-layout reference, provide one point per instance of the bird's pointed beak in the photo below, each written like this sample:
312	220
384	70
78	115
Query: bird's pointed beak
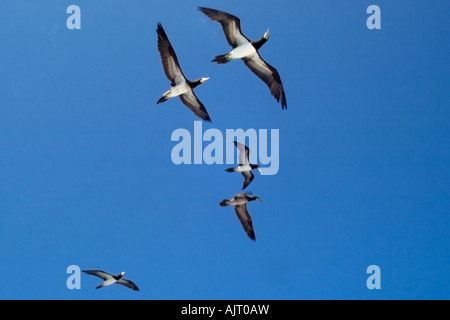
266	35
259	169
204	79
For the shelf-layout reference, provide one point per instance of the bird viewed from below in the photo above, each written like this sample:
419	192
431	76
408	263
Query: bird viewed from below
244	167
180	86
110	279
239	201
247	50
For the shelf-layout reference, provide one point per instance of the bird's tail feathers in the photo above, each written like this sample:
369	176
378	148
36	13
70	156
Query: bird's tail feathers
164	97
221	59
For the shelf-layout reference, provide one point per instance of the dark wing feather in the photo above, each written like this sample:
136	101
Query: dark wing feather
195	105
248	178
99	273
245	219
244	152
269	75
169	59
128	283
231	25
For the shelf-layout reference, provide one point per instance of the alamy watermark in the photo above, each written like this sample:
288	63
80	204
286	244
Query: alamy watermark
73	22
74	280
374	280
211	147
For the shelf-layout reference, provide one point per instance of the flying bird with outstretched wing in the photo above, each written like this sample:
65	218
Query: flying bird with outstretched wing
180	86
247	50
244	167
239	201
109	279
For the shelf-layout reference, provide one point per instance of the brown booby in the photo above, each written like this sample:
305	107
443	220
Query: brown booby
247	50
239	201
180	86
244	167
110	279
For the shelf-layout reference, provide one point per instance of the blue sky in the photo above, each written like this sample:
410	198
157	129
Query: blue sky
86	176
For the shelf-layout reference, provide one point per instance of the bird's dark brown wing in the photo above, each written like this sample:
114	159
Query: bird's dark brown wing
195	105
244	152
231	25
99	273
169	58
248	178
269	75
128	283
245	219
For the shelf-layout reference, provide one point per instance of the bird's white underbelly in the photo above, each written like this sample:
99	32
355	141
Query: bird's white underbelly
109	282
242	51
179	89
243	167
238	202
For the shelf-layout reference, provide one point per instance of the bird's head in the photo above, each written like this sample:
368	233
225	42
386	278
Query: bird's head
251	197
197	82
256	166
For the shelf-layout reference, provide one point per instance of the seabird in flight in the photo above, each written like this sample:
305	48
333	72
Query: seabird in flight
247	50
110	279
239	202
245	167
180	86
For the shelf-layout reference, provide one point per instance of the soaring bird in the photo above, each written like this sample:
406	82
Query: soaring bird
247	50
239	201
180	86
244	167
110	279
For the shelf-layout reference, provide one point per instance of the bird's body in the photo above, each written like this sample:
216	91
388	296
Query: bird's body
239	201
180	85
109	279
175	91
244	167
247	50
240	52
